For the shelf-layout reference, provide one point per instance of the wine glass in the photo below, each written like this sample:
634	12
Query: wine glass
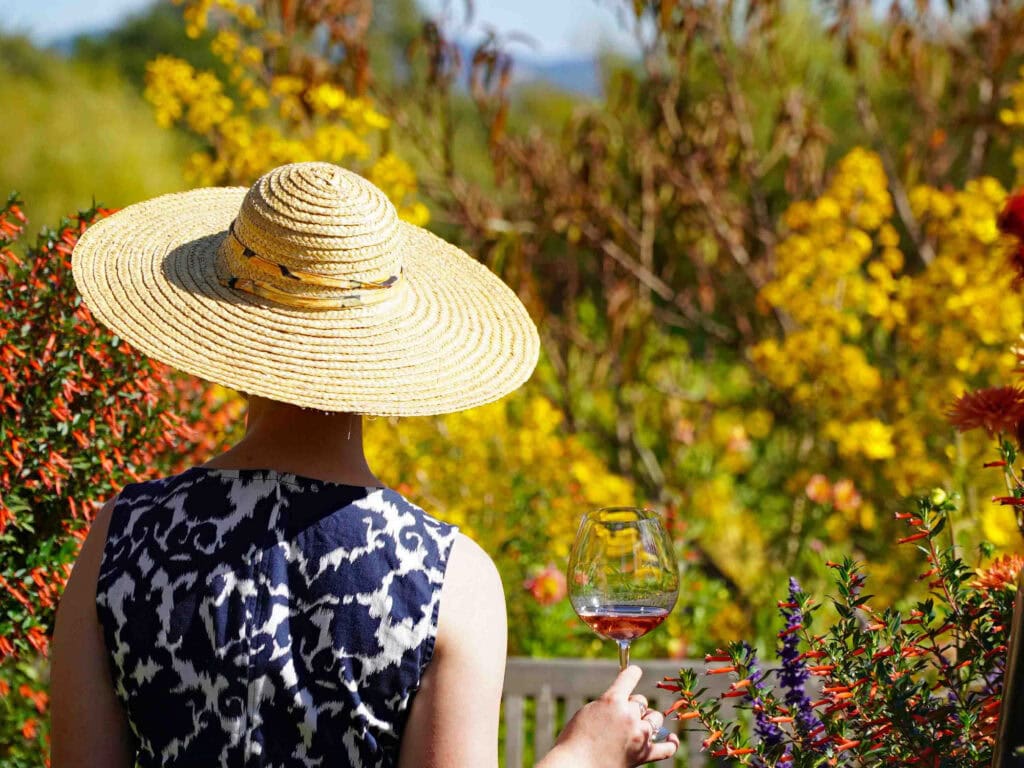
623	577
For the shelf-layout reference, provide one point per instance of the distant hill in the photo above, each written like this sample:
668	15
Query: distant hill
578	75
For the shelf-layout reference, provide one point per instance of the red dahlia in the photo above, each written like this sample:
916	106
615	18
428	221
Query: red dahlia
996	409
1011	222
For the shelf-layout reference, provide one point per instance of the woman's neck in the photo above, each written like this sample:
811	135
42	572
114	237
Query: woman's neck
286	438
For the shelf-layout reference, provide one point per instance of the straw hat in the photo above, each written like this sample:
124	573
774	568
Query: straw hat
307	289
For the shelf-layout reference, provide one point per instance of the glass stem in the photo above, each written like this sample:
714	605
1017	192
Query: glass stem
623	654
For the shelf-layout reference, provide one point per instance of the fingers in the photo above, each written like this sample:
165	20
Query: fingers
624	683
651	720
661	749
655	718
639	698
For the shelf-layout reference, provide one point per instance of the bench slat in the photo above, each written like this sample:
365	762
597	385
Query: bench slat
544	735
573	704
513	731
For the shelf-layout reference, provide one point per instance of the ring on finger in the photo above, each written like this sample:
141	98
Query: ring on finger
641	701
655	718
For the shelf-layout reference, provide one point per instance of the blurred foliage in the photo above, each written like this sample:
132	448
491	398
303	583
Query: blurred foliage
77	135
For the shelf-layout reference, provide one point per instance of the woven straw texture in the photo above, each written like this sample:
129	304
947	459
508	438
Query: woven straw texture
443	333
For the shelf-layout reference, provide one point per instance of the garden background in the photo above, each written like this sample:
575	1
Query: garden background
763	256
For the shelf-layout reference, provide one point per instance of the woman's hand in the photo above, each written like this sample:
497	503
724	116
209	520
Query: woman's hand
615	731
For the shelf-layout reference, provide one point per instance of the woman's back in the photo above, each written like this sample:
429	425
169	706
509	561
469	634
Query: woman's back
240	617
257	618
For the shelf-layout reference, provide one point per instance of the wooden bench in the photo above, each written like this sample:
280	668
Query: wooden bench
540	695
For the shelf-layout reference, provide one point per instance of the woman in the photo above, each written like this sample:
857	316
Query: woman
278	606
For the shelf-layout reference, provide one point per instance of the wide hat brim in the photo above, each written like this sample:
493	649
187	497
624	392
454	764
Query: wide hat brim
454	337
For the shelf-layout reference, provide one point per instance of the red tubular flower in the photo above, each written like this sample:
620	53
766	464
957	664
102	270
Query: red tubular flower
711	739
732	694
679	704
912	537
1008	501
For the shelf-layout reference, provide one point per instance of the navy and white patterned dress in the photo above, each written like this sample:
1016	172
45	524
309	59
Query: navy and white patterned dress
256	618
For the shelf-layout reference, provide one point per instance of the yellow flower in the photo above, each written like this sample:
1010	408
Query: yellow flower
225	45
868	437
325	98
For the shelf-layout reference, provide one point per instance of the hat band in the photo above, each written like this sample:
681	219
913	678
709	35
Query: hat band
302	301
363	292
272	269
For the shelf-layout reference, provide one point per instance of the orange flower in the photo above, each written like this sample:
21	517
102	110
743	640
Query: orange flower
818	489
845	496
997	409
30	728
1001	574
547	586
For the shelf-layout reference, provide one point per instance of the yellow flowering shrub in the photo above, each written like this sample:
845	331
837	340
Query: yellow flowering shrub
513	479
501	472
272	107
880	344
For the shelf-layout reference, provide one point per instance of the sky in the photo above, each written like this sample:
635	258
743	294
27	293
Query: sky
557	28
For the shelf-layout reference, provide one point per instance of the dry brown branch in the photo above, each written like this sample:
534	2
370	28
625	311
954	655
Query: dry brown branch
924	249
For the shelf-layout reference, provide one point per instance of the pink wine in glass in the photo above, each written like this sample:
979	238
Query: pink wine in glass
623	622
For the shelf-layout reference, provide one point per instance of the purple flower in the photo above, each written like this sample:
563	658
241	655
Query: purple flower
793	674
770	733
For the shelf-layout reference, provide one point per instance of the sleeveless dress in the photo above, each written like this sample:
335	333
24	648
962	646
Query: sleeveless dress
256	619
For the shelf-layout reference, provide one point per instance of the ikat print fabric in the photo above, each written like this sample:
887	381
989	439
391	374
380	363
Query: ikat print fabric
256	619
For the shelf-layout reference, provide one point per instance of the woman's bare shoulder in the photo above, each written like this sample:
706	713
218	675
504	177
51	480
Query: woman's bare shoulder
454	717
472	589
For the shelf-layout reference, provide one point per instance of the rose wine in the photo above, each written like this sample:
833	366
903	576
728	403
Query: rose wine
623	622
